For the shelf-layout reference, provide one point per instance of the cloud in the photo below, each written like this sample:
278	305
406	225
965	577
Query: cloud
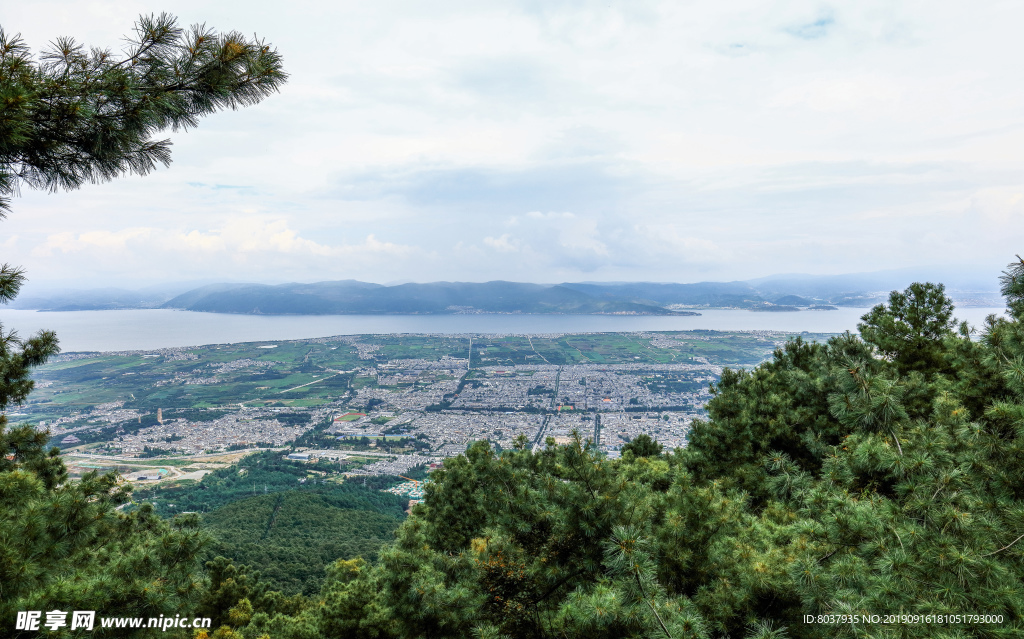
243	236
99	241
574	234
519	80
556	241
815	29
373	245
257	245
495	190
865	94
673	239
503	244
649	139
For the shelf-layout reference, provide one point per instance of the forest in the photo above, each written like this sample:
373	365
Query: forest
870	485
267	472
290	518
294	535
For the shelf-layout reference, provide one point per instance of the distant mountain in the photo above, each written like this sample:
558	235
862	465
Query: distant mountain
711	294
775	293
966	287
98	299
351	297
793	300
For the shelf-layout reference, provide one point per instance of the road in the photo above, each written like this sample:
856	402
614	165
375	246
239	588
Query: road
540	433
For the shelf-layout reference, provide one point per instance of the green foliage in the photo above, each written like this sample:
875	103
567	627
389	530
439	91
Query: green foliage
230	584
18	356
267	472
643	446
64	545
71	117
910	329
783	406
80	115
260	514
1012	287
293	536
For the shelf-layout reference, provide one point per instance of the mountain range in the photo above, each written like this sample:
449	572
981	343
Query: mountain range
775	293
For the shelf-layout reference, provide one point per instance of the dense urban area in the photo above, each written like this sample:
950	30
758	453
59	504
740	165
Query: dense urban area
377	404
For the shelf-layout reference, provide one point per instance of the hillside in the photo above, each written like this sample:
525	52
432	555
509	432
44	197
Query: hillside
292	536
268	473
659	298
349	297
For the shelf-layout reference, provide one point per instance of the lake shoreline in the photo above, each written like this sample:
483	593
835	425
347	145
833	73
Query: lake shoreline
151	329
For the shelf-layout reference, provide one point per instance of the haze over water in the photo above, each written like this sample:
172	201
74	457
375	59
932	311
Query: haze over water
152	329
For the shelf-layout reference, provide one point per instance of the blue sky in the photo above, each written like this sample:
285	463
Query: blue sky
553	141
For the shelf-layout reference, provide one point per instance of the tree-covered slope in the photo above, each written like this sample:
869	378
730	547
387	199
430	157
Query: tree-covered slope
268	473
293	536
437	297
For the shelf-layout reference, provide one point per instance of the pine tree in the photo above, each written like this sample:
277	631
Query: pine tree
64	545
910	329
77	116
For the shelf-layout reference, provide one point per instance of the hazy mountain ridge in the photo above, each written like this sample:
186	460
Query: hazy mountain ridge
774	293
324	298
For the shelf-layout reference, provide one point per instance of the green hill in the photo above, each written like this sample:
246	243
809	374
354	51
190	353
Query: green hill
267	472
433	298
292	536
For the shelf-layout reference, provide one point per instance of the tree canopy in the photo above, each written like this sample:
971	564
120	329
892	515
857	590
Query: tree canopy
78	115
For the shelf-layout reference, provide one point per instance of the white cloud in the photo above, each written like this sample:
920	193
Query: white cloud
503	244
650	139
671	239
865	95
100	241
243	236
241	248
573	233
373	245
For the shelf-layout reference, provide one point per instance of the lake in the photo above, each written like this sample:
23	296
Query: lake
160	328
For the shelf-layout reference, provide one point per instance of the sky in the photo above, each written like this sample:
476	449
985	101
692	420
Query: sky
562	140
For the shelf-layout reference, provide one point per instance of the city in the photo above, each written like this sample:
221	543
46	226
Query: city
364	403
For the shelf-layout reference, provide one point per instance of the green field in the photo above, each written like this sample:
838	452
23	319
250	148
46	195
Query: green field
350	417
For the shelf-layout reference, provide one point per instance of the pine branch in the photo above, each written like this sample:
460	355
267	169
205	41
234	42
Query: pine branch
1005	547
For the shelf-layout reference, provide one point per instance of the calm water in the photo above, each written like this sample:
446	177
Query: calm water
150	329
